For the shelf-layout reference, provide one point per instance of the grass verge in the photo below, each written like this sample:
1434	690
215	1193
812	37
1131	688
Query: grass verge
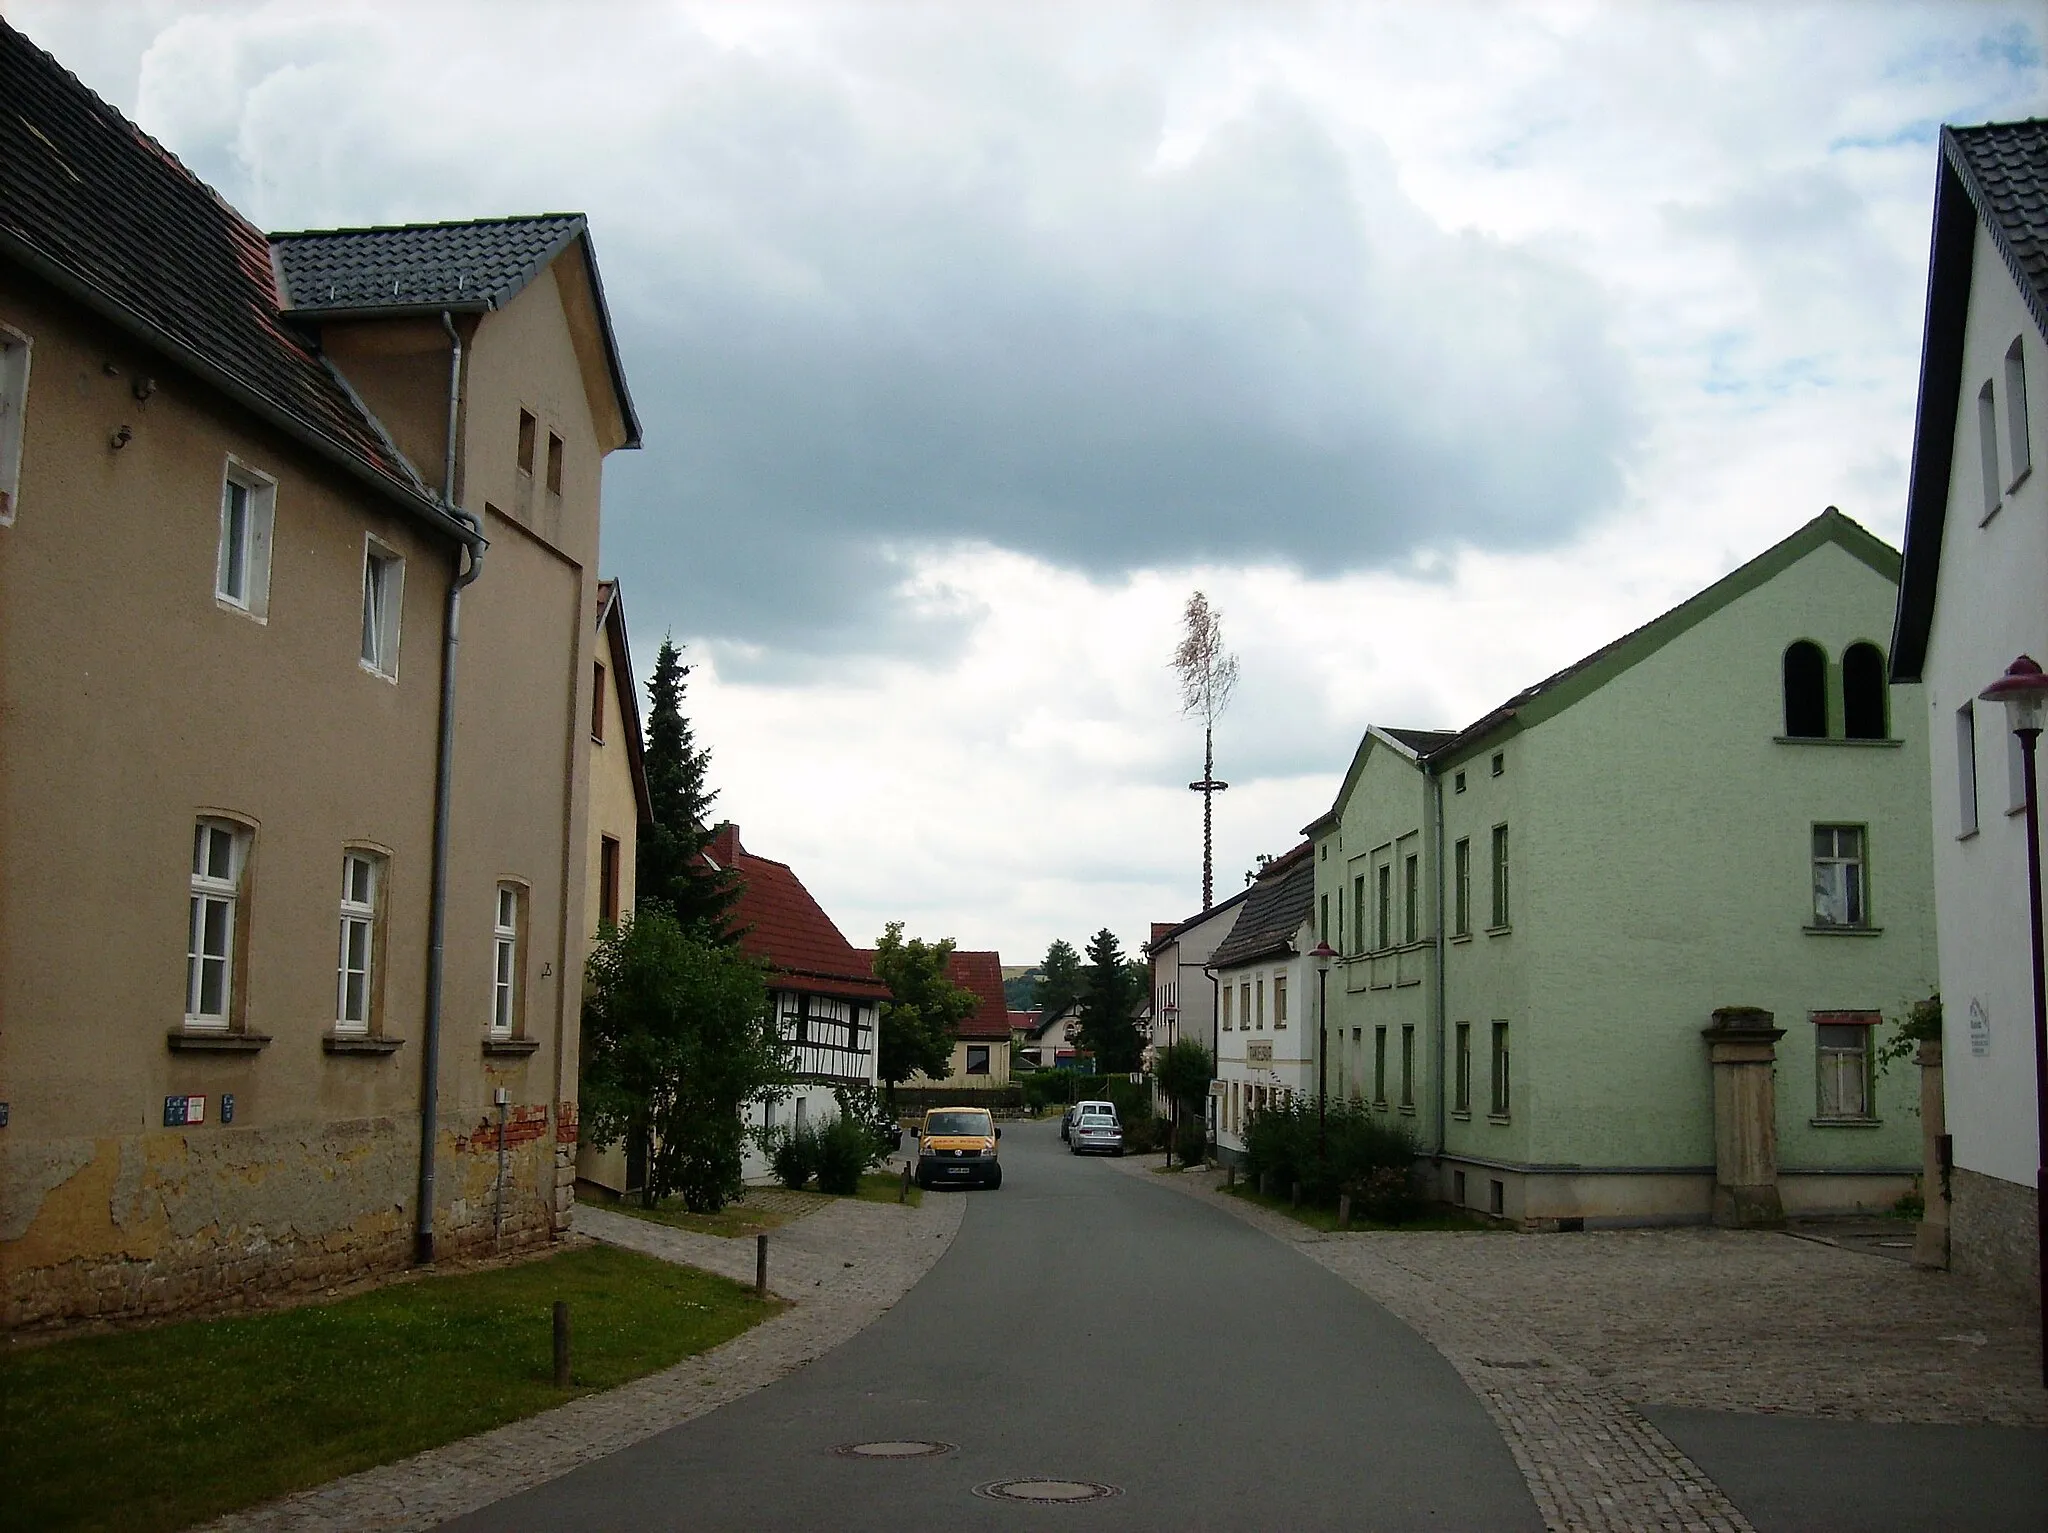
158	1429
736	1220
881	1187
1437	1217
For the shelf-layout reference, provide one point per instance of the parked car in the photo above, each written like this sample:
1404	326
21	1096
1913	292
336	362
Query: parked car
1097	1130
956	1146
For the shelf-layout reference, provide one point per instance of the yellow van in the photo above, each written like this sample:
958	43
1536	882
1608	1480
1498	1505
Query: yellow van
956	1147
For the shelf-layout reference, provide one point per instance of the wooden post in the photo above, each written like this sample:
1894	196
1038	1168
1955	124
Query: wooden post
1343	1210
760	1266
903	1193
561	1343
1230	1174
1294	1195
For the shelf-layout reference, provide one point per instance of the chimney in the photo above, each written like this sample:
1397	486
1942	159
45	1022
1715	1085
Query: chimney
725	845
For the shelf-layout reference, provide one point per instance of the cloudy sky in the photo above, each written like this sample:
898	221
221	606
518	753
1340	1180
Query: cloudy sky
1437	343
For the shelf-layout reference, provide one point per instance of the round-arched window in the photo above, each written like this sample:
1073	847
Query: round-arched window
1806	691
1863	692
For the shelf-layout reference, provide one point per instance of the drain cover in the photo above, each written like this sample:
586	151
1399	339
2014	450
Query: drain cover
908	1448
1047	1492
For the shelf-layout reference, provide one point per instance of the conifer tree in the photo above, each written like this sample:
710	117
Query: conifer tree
1110	989
670	866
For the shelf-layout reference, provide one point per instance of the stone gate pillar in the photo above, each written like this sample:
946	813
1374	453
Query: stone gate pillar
1742	1048
1930	1236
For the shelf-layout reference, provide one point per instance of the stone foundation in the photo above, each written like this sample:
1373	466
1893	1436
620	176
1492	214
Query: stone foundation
159	1222
1992	1233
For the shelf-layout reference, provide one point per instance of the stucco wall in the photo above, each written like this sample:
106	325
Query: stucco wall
1989	608
134	702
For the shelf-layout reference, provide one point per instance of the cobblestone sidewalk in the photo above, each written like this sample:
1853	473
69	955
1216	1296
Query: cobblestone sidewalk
1562	1336
843	1266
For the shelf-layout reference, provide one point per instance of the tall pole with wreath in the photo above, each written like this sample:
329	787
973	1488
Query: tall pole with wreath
1208	675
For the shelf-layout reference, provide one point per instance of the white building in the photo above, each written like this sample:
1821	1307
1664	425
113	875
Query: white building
1265	998
1973	596
1184	993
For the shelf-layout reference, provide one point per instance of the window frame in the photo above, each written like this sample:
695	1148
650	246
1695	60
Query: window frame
383	572
529	438
609	853
259	505
17	351
2018	444
366	916
1967	791
1411	898
1461	1100
1856	889
1987	450
1804	653
1461	861
557	451
1408	1067
508	977
1503	909
1383	904
205	890
1379	1065
1361	938
1279	1001
1223	993
1853	703
1827	1061
598	674
987	1060
1500	1100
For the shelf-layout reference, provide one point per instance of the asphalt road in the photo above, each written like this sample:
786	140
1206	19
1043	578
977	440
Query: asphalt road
1085	1326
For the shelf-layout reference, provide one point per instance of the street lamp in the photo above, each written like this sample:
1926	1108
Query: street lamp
1322	953
2024	691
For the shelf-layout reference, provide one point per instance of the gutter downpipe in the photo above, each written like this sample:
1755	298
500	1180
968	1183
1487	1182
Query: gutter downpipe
1440	1009
437	916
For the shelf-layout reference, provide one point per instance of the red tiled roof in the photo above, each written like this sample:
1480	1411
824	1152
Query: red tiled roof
1023	1021
983	974
780	923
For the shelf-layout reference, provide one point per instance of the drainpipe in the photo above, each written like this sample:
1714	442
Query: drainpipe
1439	1009
437	911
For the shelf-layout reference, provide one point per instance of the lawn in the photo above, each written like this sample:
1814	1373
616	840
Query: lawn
736	1220
158	1429
1435	1216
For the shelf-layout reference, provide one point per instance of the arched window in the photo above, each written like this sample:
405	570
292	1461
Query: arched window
1806	691
1863	692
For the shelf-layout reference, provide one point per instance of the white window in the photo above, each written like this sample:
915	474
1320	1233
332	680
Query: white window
1839	895
1223	996
383	595
248	504
1261	991
1966	769
13	410
219	851
505	961
1987	446
1843	1051
1280	1000
361	883
1244	1006
2017	448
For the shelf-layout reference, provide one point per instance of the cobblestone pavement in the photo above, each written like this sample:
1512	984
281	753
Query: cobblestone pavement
843	1266
1563	1336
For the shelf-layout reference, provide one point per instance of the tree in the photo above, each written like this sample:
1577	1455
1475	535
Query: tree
1109	991
677	1045
1059	978
1184	1070
924	1011
670	862
1208	675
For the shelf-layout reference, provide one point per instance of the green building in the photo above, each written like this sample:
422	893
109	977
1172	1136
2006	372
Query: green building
1538	915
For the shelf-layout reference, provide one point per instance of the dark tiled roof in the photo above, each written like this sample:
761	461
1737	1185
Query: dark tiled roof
477	265
983	974
2004	166
1280	902
1997	176
102	211
1421	741
787	929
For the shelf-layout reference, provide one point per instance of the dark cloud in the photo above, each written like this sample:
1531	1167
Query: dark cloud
1263	354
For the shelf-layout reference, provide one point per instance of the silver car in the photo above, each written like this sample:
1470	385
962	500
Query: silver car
1096	1129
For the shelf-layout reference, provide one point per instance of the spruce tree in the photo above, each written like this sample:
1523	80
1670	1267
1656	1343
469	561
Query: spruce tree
1109	992
670	866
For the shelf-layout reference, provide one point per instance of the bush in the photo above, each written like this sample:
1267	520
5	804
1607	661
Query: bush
865	1106
1367	1157
845	1148
1191	1144
795	1156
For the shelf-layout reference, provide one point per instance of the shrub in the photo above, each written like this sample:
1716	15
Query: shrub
1366	1156
845	1148
865	1106
795	1156
1192	1143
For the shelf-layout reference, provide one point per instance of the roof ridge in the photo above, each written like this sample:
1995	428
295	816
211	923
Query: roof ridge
442	223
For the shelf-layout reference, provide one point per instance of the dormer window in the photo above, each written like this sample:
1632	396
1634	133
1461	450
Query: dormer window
1806	691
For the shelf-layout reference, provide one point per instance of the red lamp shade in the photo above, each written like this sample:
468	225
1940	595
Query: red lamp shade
1322	953
2024	691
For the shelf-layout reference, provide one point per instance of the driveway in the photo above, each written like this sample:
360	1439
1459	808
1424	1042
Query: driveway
1085	1326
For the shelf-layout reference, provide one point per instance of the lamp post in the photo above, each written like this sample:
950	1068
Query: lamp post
2024	691
1322	954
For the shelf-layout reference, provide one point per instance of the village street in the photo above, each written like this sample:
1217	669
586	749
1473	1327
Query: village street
1096	1322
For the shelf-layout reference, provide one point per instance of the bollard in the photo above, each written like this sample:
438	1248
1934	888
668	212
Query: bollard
1343	1210
1294	1196
1265	1184
561	1343
1230	1175
760	1266
903	1192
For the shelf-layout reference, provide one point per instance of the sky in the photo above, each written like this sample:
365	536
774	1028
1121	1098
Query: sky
1438	344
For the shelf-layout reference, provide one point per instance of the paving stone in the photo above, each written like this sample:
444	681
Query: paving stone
843	1266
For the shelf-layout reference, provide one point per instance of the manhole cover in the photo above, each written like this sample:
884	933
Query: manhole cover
1047	1492
903	1449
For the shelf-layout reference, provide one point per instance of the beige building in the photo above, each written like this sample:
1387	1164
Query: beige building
252	937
